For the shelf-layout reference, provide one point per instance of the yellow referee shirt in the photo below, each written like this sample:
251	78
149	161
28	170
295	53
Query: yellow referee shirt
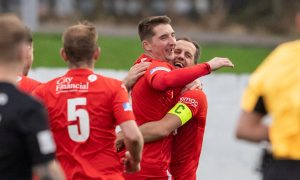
274	88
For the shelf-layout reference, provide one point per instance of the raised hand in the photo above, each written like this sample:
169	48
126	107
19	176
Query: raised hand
135	73
219	62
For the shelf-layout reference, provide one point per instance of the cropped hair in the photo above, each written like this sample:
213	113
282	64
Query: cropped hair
12	35
80	42
197	53
146	25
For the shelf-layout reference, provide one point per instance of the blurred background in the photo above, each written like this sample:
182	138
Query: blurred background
245	31
271	16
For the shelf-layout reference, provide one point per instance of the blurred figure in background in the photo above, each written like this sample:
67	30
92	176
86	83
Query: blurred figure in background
274	89
26	144
84	110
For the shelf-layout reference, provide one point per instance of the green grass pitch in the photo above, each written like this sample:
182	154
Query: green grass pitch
120	53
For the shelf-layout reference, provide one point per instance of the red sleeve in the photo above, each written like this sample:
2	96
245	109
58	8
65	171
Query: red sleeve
163	80
121	105
28	85
195	100
39	92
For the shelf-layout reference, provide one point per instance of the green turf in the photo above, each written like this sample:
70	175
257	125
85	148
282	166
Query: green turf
120	53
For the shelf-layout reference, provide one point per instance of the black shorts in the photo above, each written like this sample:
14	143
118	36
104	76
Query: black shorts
274	169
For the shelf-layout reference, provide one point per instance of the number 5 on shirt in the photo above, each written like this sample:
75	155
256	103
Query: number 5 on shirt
80	132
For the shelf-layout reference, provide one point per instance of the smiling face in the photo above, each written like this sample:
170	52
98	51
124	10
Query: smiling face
161	44
184	54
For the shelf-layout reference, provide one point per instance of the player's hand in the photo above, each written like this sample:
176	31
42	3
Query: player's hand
119	143
130	164
197	84
135	73
218	62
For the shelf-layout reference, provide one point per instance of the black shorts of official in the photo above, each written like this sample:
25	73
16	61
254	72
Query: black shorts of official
274	169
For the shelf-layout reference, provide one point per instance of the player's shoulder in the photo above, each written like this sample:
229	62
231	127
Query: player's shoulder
159	66
197	93
160	63
193	97
110	84
288	47
46	85
21	100
30	80
109	81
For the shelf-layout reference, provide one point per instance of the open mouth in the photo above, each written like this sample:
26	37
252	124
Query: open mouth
178	65
170	49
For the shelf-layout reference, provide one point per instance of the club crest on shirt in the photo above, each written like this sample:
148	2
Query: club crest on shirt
191	101
65	84
127	106
92	77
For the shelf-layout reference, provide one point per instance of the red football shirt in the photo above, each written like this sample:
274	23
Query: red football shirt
187	143
27	84
152	97
84	109
149	104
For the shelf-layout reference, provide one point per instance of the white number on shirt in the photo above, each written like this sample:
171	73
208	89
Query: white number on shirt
80	132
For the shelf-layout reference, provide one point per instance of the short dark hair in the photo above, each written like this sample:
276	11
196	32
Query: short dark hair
146	25
197	53
12	35
80	42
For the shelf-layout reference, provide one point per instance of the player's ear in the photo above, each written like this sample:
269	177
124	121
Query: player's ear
22	52
146	45
63	54
97	53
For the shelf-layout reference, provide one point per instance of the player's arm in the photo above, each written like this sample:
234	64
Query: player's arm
48	171
155	130
176	117
135	73
251	128
179	78
133	141
39	142
132	136
250	124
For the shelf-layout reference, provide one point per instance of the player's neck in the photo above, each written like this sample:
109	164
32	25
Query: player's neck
8	74
149	54
81	66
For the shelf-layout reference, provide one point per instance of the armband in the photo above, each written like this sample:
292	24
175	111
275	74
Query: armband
182	111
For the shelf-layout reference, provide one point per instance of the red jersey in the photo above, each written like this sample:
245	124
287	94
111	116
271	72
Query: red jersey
152	97
187	143
150	104
84	109
27	84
